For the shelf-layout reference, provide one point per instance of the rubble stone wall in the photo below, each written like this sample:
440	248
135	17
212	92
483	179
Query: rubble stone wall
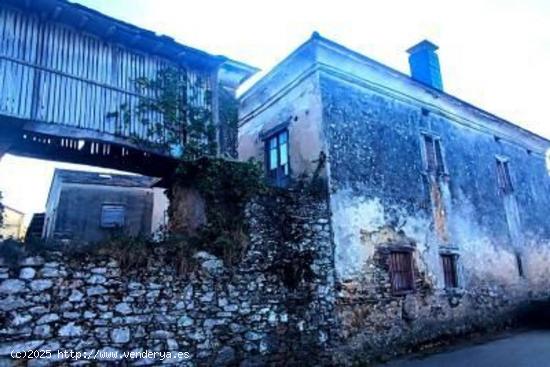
263	311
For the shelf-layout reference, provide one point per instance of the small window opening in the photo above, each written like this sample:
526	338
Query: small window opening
401	271
519	263
112	216
503	177
449	270
277	161
434	156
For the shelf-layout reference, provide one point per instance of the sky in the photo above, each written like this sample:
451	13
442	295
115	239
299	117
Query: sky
493	53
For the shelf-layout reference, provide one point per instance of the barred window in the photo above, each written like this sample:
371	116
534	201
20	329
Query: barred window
401	271
449	270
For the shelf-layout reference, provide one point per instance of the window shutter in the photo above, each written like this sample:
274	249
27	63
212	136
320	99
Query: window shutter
449	271
439	156
401	271
430	153
507	177
503	177
112	216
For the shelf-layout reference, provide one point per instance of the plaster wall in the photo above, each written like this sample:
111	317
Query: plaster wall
299	110
78	211
382	197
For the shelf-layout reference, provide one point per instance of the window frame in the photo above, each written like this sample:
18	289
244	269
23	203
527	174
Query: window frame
281	177
505	182
438	154
409	273
453	282
103	224
519	264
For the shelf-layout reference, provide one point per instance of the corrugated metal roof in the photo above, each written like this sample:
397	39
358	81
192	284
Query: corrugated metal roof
105	179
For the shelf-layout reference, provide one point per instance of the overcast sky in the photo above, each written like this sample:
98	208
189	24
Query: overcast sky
493	53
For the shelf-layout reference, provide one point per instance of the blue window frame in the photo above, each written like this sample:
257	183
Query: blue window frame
277	158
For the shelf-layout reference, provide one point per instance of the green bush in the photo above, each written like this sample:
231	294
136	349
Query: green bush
226	187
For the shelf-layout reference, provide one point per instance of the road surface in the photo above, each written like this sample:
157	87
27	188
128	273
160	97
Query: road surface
521	349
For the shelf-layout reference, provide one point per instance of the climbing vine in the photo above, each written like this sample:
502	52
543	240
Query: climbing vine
174	112
229	119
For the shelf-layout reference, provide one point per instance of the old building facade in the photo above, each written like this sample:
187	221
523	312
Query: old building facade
13	225
410	215
88	207
437	208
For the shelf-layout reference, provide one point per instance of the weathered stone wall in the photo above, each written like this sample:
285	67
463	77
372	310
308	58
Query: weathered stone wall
381	197
265	310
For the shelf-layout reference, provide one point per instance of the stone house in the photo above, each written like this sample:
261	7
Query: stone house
437	208
91	206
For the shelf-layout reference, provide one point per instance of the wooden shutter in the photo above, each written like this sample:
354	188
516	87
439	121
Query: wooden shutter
503	177
401	271
439	156
430	153
449	271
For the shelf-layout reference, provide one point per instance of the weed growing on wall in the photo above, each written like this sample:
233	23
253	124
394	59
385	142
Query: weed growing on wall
226	187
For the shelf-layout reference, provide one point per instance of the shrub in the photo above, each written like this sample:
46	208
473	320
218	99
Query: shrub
226	187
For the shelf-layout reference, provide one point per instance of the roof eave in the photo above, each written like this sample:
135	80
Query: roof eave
114	30
233	73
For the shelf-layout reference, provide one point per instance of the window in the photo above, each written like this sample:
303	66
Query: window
277	161
519	263
503	176
433	154
112	216
401	271
449	270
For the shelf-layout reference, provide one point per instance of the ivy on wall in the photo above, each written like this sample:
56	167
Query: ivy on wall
174	121
229	118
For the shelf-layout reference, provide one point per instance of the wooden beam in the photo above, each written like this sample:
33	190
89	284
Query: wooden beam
6	142
134	161
158	46
59	130
135	39
56	12
10	132
83	21
110	31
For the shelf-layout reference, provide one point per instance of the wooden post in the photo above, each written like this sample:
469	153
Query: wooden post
4	147
7	138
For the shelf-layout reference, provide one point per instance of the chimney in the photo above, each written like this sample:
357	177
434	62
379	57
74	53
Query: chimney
424	64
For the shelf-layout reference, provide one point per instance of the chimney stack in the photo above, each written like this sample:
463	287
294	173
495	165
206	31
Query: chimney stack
424	64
